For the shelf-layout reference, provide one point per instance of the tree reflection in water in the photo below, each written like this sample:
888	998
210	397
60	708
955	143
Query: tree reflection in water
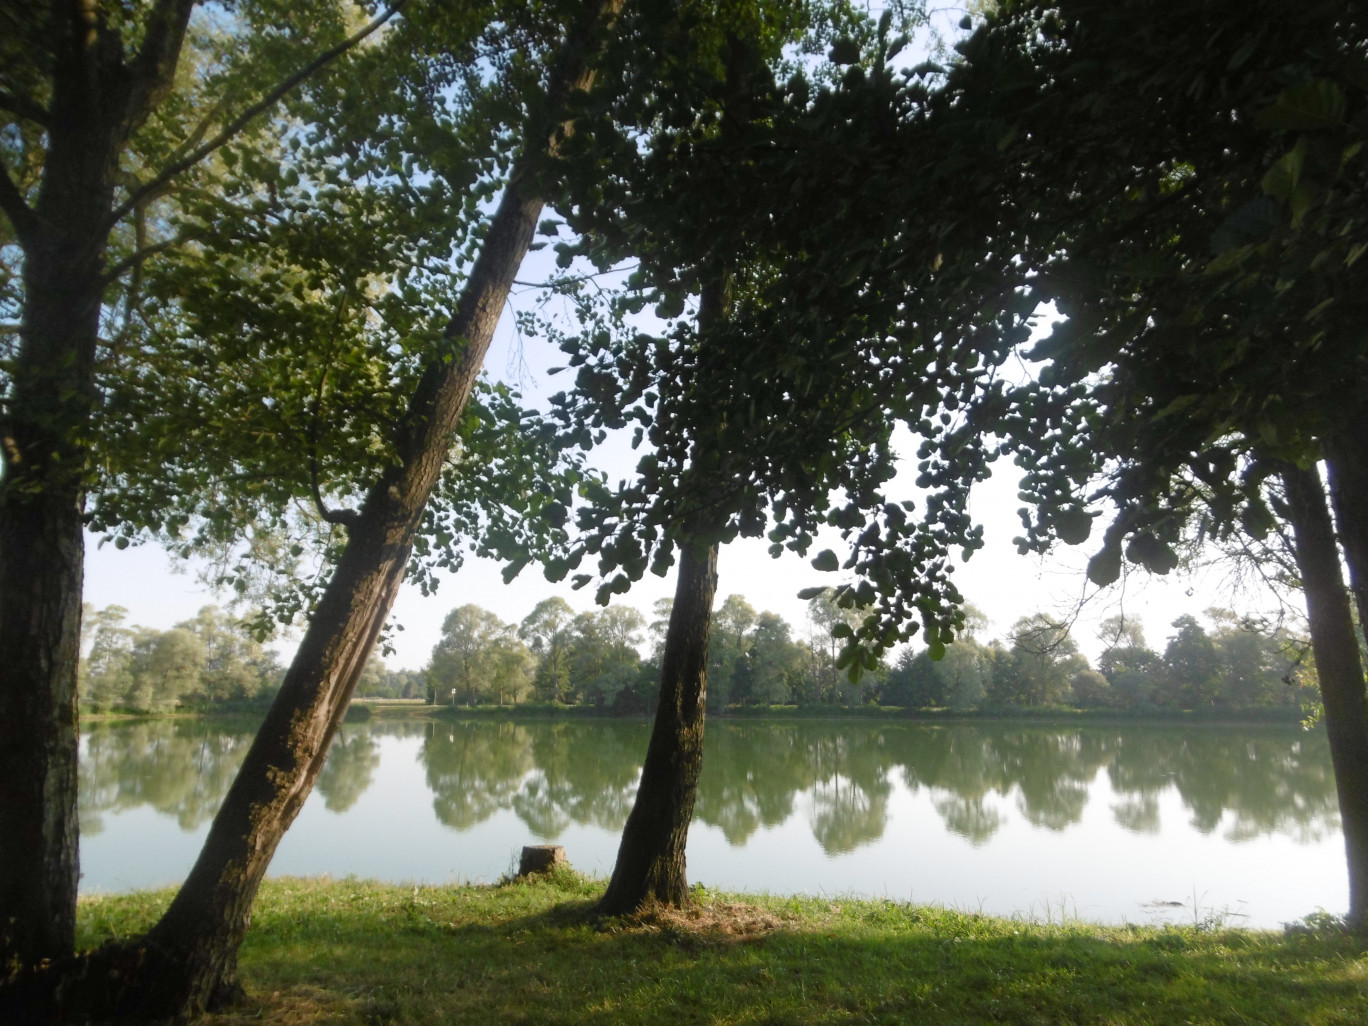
181	768
1250	781
349	769
474	768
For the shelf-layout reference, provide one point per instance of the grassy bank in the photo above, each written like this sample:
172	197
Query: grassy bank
363	953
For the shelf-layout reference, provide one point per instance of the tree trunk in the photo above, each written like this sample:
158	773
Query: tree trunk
41	566
188	961
1340	669
650	861
1346	461
96	100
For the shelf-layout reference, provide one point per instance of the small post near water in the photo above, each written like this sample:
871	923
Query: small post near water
541	858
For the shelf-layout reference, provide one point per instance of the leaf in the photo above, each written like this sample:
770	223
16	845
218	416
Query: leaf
807	594
1105	567
1155	556
936	650
844	51
826	561
1281	179
1073	525
1303	108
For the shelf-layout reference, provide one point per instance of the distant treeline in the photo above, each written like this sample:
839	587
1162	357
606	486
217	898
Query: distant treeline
595	658
556	655
209	661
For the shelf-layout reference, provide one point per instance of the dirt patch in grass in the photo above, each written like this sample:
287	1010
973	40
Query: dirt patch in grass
712	922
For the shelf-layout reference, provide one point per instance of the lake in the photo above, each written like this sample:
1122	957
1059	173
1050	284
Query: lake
1111	824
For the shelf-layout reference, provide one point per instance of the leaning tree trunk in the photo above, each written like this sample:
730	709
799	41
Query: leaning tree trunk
1346	461
650	861
1340	669
188	961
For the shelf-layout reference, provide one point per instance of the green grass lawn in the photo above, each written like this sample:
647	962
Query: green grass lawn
529	952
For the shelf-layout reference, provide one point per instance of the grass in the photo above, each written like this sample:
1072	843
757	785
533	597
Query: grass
529	952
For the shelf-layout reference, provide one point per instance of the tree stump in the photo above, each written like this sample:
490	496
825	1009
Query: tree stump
541	858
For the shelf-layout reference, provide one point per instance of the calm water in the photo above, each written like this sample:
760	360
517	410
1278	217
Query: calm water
1113	824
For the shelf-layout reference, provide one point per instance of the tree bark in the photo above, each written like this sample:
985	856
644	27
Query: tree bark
97	99
650	862
1340	669
1346	462
188	961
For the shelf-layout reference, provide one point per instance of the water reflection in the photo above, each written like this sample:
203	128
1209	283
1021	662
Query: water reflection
841	777
181	768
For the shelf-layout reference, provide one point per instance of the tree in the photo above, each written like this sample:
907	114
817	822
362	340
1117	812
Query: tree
107	676
188	959
728	646
236	665
92	138
546	632
1201	254
773	661
1191	666
1039	666
1254	661
602	654
165	666
466	661
762	413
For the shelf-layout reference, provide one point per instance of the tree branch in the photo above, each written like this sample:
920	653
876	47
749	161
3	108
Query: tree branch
234	127
154	69
24	108
134	260
20	214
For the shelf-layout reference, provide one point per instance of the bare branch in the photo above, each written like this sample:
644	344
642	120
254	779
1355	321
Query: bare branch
234	127
20	214
24	108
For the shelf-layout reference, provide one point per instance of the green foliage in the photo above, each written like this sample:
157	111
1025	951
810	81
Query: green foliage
267	360
1203	182
478	659
776	417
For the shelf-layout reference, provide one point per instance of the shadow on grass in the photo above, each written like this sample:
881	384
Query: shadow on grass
352	952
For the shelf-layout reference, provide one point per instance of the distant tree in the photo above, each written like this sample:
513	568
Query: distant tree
1254	662
165	665
829	626
728	645
1130	667
546	632
603	655
512	666
659	626
1088	689
465	658
237	666
913	682
1038	667
1191	666
773	662
107	675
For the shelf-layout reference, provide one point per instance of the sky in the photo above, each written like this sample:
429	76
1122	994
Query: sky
1001	583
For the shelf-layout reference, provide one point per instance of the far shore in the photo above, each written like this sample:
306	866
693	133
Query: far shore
363	709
